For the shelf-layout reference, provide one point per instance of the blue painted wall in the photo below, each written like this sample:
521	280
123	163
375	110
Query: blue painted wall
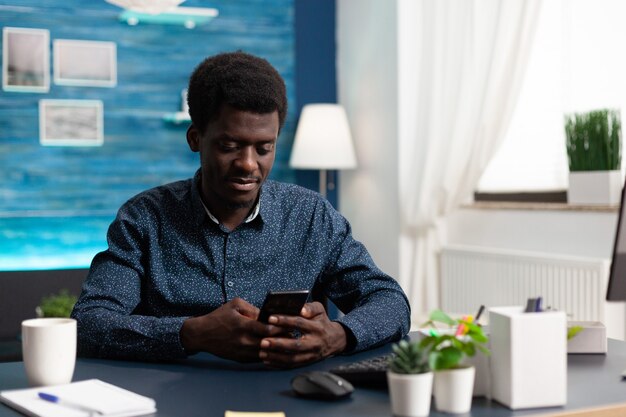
56	203
316	74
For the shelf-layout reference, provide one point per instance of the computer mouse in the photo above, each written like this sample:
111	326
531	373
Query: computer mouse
321	385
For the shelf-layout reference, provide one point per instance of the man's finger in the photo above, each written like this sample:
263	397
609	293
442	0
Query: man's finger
281	344
313	309
245	308
288	359
292	322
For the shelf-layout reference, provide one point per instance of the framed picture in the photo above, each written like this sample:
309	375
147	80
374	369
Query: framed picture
25	60
85	63
71	122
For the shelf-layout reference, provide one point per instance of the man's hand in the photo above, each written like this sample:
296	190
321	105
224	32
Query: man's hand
320	338
231	331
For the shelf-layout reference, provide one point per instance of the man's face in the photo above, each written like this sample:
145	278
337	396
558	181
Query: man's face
236	153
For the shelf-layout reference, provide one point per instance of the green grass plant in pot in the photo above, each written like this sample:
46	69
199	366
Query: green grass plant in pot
447	348
410	380
594	152
57	305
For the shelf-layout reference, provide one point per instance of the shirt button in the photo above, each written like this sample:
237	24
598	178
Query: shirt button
230	283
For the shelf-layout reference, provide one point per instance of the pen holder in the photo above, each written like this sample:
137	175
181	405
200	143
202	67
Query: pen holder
528	357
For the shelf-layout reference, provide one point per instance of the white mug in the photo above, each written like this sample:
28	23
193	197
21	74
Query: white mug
49	350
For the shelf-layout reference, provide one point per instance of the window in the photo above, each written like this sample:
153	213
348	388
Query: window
578	63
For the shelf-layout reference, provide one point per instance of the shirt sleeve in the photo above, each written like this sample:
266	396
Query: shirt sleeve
105	312
376	310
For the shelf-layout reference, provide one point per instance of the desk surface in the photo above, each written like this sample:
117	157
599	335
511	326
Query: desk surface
207	386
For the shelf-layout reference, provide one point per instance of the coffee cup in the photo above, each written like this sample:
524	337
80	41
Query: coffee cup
49	350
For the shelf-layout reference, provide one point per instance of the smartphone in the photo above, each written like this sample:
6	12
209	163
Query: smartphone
288	303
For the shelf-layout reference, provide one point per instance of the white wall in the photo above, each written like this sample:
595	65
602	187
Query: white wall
578	233
367	86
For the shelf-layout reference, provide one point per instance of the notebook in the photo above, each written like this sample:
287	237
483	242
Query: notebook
109	400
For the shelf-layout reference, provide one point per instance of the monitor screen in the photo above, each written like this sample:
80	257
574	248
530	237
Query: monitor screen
617	278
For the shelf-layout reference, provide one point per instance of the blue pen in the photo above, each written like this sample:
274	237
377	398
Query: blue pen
54	399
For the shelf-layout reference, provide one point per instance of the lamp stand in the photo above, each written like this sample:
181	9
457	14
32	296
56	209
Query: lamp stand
323	191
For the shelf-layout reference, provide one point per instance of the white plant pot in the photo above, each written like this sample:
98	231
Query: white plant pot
410	393
595	188
453	390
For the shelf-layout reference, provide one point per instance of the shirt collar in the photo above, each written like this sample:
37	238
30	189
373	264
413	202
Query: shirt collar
248	219
196	200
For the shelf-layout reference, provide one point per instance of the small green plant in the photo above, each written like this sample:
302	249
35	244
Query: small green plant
594	140
408	358
57	305
447	348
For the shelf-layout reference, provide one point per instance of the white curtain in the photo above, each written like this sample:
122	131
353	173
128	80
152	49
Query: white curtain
461	73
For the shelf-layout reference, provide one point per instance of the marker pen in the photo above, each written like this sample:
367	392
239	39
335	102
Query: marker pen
54	399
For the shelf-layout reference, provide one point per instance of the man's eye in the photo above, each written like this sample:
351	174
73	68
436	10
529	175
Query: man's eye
264	150
228	147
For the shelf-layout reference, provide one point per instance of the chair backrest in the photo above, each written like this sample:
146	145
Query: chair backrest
21	293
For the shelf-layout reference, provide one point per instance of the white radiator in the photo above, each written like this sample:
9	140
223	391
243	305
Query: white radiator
471	276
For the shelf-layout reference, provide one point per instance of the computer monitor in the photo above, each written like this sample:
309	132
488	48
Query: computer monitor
616	290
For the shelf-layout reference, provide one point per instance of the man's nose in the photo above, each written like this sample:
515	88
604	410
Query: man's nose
247	159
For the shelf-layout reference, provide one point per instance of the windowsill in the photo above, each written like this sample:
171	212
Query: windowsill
531	206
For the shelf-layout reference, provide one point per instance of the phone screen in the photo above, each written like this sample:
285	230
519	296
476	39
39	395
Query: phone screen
283	302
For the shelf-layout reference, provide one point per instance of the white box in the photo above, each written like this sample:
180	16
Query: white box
591	339
528	357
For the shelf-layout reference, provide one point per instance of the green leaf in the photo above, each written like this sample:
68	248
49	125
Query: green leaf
483	349
427	342
408	358
474	328
445	358
433	359
457	343
427	324
415	350
573	331
478	337
441	317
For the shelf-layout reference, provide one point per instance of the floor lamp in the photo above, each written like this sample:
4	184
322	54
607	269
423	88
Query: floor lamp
323	141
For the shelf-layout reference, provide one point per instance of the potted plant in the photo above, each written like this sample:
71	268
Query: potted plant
453	380
56	305
410	380
594	146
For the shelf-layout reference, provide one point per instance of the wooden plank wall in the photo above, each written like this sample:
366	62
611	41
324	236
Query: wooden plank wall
58	201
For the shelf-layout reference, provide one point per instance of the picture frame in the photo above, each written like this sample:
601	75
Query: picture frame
71	122
25	60
85	63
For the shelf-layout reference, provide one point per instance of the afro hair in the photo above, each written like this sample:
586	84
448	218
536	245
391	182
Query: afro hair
239	79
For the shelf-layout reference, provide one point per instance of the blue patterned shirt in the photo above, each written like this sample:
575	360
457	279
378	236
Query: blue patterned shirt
167	261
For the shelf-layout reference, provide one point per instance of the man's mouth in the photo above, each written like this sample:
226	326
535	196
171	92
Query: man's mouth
243	183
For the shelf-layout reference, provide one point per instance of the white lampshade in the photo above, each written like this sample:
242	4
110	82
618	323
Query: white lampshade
323	139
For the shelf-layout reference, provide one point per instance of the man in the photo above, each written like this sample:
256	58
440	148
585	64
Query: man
190	262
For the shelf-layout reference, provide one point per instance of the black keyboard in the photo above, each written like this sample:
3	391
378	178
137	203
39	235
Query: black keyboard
371	371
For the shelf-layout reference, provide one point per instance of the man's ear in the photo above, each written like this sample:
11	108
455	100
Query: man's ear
193	138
